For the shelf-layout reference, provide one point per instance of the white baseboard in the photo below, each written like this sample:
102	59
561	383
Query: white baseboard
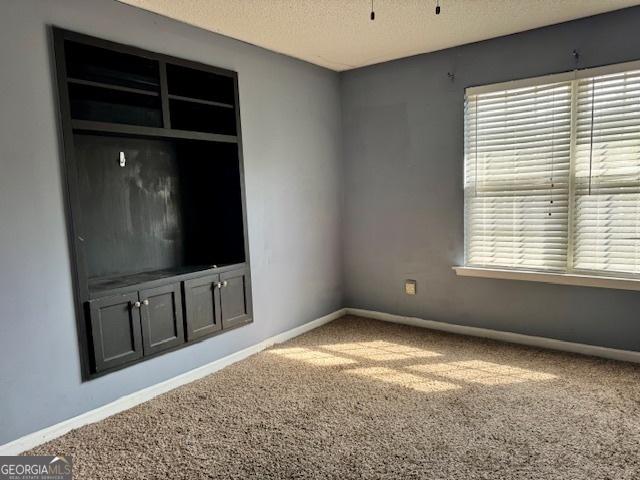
128	401
532	341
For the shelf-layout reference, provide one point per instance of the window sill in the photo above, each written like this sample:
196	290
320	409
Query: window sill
619	283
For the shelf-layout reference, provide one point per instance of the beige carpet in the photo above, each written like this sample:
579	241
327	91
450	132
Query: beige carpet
364	399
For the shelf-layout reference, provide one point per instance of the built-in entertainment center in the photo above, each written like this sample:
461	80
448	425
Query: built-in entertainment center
156	200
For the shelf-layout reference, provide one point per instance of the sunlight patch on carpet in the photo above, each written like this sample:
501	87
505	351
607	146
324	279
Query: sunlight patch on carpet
485	373
312	357
404	379
380	350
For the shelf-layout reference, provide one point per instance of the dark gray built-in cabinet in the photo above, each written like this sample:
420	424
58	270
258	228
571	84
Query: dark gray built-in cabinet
157	215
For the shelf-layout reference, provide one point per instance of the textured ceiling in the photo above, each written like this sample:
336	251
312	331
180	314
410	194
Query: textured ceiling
338	34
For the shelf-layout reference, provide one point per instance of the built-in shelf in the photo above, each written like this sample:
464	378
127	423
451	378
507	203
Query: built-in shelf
110	66
203	102
136	130
194	83
110	86
202	117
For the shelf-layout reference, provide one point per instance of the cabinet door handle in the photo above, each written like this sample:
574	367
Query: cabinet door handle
218	285
145	301
225	283
136	304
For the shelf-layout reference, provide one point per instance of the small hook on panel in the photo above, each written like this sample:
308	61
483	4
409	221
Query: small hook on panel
576	55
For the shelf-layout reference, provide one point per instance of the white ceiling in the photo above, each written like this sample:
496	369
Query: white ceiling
339	35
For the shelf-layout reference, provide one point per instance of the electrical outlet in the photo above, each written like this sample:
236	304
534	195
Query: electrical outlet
410	287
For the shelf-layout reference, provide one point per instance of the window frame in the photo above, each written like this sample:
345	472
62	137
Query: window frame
569	275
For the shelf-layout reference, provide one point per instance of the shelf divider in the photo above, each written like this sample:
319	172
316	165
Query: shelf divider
203	102
124	129
110	86
164	95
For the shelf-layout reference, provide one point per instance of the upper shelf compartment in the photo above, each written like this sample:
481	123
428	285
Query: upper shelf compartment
110	67
109	86
190	84
114	90
201	101
99	104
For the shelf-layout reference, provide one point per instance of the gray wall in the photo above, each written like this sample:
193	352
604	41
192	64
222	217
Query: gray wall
403	153
291	129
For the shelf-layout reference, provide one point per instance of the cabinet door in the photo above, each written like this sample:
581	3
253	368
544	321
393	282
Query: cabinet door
161	318
202	306
235	298
115	330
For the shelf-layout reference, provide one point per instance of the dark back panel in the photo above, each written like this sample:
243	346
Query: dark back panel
204	85
213	228
199	117
89	62
130	216
104	105
174	203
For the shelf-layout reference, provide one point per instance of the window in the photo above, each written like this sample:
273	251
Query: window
552	173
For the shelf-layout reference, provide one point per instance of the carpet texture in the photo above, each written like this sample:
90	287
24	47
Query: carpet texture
359	398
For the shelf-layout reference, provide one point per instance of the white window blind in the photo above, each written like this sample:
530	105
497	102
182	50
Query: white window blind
607	174
517	177
552	174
